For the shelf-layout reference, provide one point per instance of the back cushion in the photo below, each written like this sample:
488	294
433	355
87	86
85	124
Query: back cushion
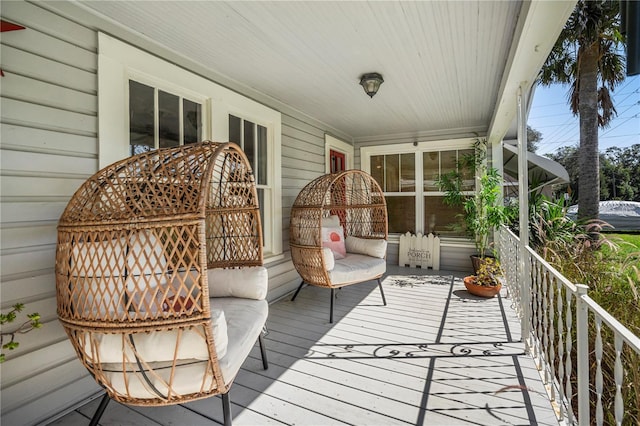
370	247
248	283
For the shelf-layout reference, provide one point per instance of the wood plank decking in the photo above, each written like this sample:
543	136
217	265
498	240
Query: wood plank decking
434	356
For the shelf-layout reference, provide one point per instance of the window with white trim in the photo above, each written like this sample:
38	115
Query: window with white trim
409	175
161	119
147	102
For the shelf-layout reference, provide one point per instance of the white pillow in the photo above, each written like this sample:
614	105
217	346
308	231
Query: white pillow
329	260
368	246
248	283
332	221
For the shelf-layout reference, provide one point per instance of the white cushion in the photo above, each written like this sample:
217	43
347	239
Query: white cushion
356	268
188	378
249	283
245	319
329	260
370	247
157	346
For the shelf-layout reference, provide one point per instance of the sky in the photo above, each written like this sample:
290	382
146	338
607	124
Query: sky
550	115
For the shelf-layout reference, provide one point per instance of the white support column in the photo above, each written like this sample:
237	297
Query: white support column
523	202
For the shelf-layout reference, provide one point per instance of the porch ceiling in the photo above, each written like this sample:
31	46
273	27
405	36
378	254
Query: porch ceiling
446	64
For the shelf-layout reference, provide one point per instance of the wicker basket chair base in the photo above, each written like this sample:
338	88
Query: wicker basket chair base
159	279
353	204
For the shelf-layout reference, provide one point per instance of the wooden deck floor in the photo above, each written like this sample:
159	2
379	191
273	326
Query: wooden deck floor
434	356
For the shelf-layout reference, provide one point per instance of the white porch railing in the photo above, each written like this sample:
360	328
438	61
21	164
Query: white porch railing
560	315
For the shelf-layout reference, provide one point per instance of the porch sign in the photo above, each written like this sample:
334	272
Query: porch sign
419	250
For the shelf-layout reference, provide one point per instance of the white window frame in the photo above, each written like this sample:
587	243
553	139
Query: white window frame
119	62
409	148
335	144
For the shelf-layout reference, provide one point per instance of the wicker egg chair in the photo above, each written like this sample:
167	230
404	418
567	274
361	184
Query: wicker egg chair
354	201
139	246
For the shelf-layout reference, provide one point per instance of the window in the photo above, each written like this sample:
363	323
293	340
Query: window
409	178
147	102
159	119
253	139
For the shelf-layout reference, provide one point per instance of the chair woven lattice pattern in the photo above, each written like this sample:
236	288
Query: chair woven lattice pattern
135	243
356	199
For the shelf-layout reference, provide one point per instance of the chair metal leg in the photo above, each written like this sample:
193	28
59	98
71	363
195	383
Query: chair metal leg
297	291
226	408
331	308
98	414
263	352
384	300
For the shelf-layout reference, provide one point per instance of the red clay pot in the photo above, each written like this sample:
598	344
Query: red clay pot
481	290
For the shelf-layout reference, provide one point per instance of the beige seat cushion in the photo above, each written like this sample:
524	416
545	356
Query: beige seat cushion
356	268
245	319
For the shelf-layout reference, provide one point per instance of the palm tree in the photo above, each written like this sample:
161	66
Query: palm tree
587	56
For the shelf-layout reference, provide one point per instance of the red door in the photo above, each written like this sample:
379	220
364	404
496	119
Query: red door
337	161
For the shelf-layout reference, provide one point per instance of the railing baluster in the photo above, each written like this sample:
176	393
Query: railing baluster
619	373
568	364
545	324
552	335
561	401
582	343
599	379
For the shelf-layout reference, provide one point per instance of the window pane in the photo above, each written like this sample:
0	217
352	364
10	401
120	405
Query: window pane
192	119
261	205
234	129
448	160
468	183
408	172
141	113
392	173
442	219
377	169
249	143
262	155
431	170
168	119
402	214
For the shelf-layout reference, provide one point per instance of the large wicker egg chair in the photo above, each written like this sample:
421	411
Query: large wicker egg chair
338	232
159	276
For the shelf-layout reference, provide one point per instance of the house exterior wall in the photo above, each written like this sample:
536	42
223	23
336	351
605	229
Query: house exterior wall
49	146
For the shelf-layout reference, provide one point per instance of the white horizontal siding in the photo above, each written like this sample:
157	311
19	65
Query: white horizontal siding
48	148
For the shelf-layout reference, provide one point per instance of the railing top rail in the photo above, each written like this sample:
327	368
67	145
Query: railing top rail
627	335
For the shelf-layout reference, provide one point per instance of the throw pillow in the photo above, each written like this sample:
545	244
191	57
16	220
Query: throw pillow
333	237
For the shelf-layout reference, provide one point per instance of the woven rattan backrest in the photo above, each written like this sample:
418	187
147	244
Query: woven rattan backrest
353	195
134	246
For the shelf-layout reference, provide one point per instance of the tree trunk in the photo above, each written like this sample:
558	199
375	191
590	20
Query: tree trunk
589	180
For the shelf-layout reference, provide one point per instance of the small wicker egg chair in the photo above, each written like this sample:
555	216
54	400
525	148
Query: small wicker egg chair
355	199
135	243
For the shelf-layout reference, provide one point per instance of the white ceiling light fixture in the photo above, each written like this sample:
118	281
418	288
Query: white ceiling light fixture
371	83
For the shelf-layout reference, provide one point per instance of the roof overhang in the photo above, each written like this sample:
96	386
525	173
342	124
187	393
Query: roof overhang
542	170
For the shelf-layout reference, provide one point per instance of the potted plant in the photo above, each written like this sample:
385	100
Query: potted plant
483	210
487	280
